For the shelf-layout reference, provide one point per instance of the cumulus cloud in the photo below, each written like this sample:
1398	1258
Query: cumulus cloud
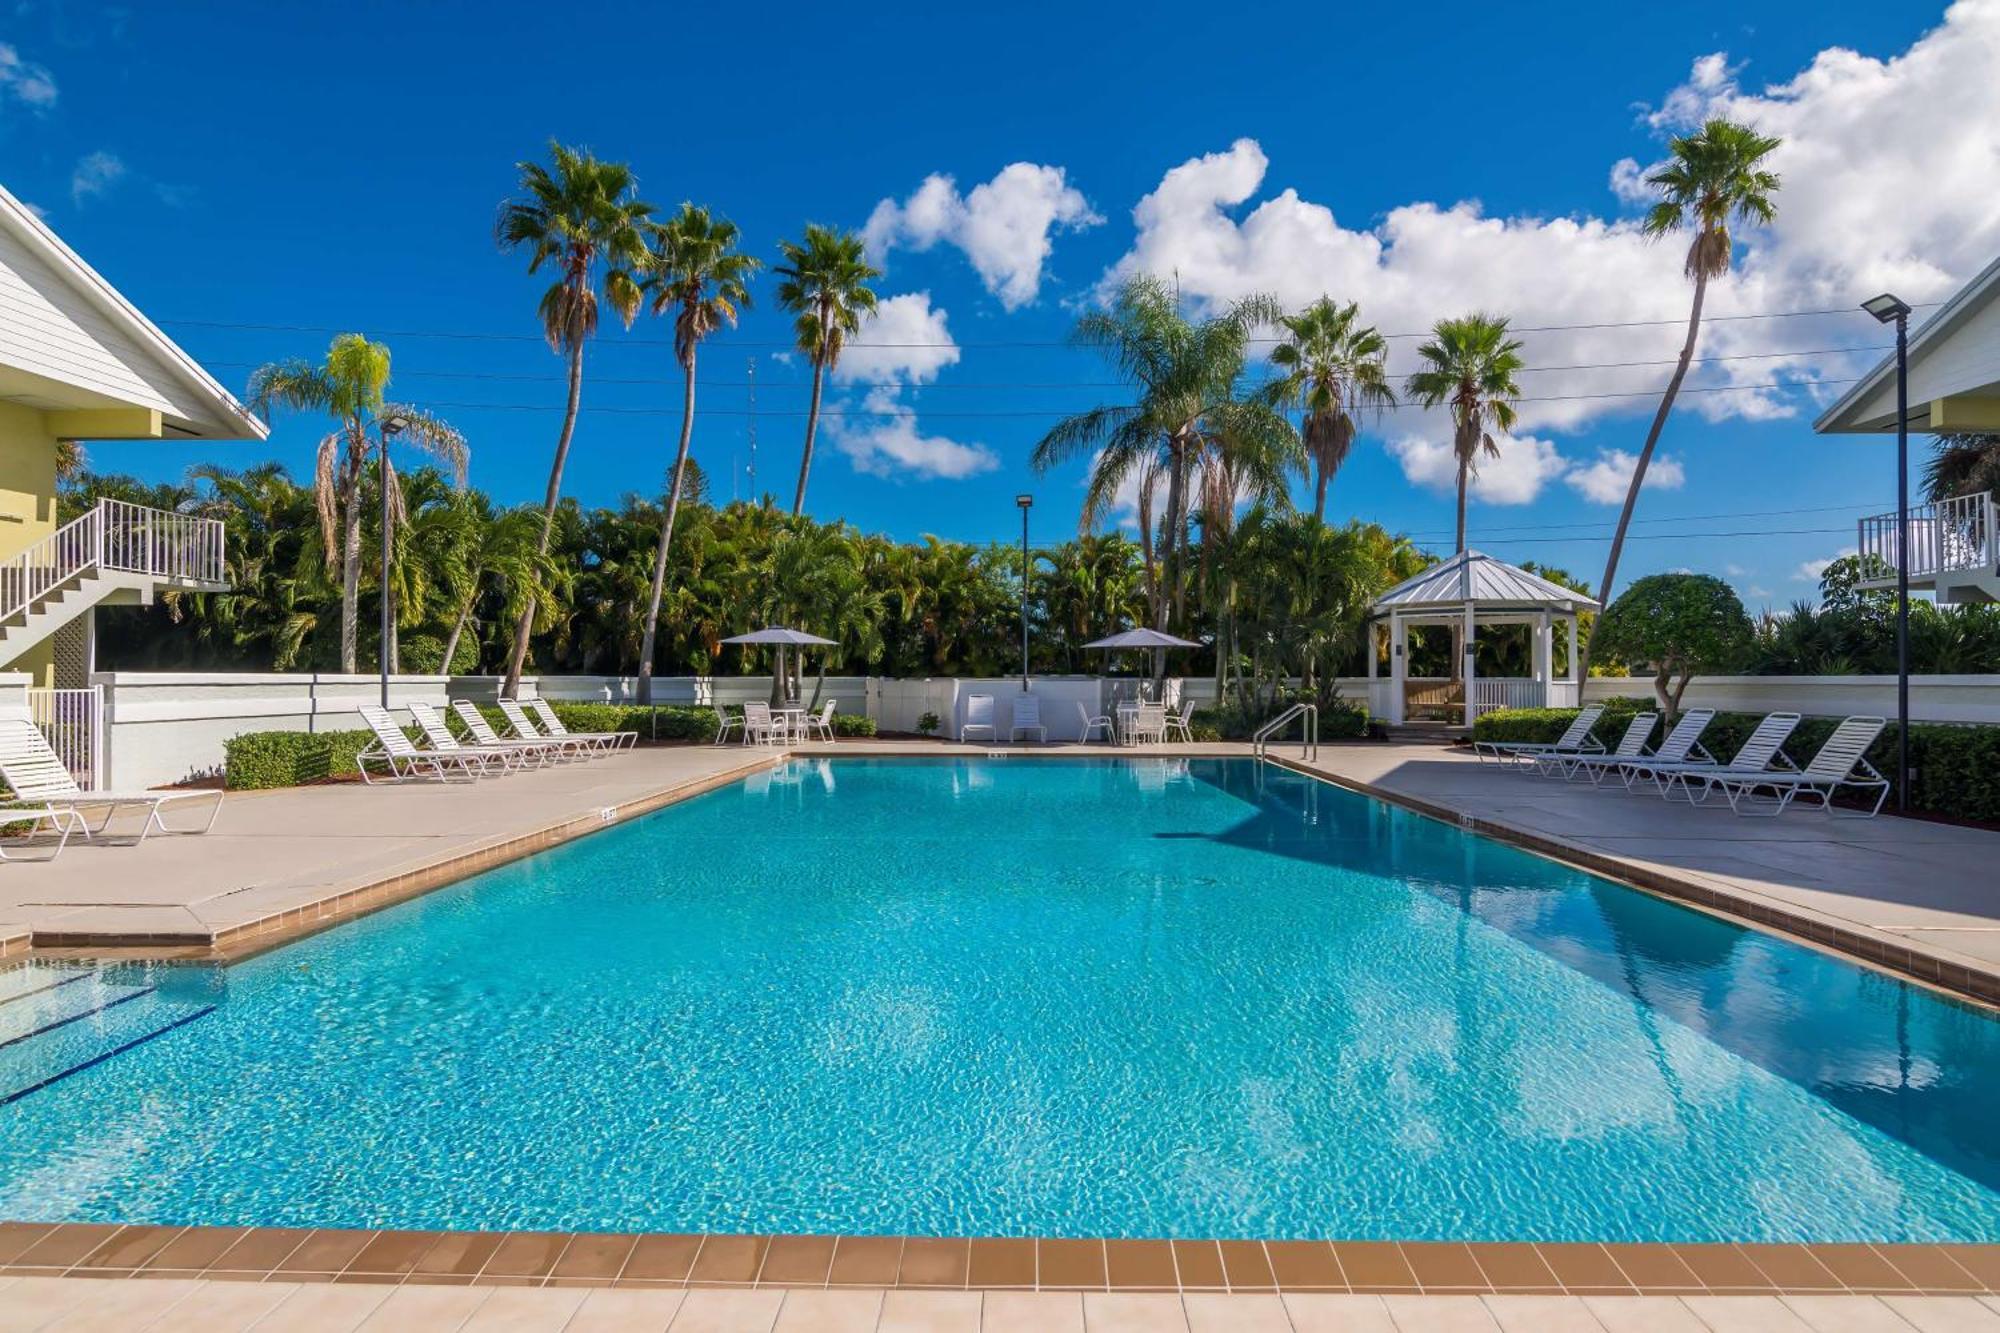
905	342
1884	189
1605	480
94	174
1004	226
24	81
1526	464
1810	570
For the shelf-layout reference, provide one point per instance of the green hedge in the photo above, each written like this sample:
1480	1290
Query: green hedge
853	724
1957	768
1341	721
288	758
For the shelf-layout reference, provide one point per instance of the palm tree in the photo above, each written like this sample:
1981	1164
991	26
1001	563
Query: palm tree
825	283
1332	368
581	218
348	387
692	268
1962	464
1710	179
1469	365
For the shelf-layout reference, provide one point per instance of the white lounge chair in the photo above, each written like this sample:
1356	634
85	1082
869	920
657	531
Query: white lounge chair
62	822
1758	752
41	782
1841	762
401	759
438	737
539	747
761	725
1631	745
1576	739
1088	724
724	723
552	725
978	717
1027	716
1681	742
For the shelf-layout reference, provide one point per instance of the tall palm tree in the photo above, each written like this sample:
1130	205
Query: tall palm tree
825	283
349	387
582	219
1710	179
1332	366
1469	366
693	269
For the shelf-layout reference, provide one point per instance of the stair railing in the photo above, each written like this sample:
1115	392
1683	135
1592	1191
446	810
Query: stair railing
72	548
113	534
1308	734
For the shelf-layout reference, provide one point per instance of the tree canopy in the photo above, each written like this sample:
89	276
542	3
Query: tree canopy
1678	625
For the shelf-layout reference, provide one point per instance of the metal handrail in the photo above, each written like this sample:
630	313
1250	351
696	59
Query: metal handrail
118	535
1309	735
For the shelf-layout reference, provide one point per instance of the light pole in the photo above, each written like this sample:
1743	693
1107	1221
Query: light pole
1889	310
1026	502
390	426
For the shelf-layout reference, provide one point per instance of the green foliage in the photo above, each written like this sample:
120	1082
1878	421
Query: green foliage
288	758
853	724
423	655
1678	625
1853	631
928	724
1957	768
1338	720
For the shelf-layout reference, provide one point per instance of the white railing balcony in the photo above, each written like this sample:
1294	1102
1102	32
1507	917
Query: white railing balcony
115	538
1942	537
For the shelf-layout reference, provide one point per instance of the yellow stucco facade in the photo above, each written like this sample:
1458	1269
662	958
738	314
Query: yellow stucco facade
27	505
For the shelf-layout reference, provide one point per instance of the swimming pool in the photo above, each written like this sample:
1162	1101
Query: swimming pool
1118	997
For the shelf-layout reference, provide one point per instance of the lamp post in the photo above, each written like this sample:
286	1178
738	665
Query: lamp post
1026	502
390	426
1889	310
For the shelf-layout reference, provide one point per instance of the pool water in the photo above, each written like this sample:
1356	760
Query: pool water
1144	997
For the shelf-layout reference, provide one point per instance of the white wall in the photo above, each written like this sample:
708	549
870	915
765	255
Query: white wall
1932	698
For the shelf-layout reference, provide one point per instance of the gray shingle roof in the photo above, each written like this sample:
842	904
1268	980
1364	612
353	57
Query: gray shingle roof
1479	578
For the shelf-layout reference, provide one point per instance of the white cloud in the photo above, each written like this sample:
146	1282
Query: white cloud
892	446
94	174
1605	481
1526	464
1754	591
904	341
1735	571
1810	570
25	81
1003	226
1885	187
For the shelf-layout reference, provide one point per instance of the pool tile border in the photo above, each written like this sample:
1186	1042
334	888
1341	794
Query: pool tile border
595	1259
1962	980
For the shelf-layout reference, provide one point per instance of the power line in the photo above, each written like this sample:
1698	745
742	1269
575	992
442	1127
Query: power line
1609	525
1686	536
475	336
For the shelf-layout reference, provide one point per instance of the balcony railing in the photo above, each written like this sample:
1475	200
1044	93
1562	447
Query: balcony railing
114	535
1942	537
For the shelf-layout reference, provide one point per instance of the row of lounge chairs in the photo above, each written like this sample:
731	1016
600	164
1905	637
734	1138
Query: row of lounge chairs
533	742
1759	779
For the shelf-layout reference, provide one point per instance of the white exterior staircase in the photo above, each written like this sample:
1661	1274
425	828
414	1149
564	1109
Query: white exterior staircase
117	554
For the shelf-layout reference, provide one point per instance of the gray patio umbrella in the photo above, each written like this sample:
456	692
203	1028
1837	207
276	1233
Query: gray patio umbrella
1158	641
782	638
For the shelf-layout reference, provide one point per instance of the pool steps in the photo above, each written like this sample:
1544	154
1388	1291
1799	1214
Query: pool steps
57	1022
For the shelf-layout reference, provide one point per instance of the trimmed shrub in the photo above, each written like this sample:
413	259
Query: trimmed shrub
853	724
1338	721
1956	767
259	759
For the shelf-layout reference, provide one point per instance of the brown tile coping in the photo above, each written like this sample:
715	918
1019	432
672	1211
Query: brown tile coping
1966	982
561	1258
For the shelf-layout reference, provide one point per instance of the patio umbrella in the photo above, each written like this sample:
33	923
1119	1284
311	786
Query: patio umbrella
780	637
1144	638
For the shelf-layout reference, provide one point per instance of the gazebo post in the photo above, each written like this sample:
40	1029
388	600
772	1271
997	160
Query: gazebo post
1471	628
1399	666
1577	687
1544	657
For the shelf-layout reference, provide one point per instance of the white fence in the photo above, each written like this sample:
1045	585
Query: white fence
73	722
1932	698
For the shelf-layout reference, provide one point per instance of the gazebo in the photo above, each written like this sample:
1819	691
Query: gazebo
1470	590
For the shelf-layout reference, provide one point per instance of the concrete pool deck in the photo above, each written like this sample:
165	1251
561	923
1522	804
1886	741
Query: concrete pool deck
1917	897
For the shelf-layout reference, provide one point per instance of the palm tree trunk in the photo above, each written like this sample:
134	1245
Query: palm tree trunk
458	628
1463	468
666	536
812	414
1646	454
1319	495
350	586
511	688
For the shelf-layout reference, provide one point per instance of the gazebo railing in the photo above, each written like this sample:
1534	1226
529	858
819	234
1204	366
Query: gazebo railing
1491	692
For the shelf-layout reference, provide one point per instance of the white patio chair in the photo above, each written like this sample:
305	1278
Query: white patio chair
437	736
761	725
1680	743
1632	745
401	759
1576	739
1088	724
724	722
1180	725
39	779
1027	717
534	746
821	723
1757	754
1841	762
978	717
553	726
1149	724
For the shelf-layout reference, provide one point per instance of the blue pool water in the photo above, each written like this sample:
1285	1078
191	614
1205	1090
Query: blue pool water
1019	996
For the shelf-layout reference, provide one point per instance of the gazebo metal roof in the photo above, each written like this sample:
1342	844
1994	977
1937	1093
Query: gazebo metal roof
1479	579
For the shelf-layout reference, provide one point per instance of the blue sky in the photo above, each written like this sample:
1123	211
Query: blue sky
309	169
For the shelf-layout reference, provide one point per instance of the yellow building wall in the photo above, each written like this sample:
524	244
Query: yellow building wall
27	507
